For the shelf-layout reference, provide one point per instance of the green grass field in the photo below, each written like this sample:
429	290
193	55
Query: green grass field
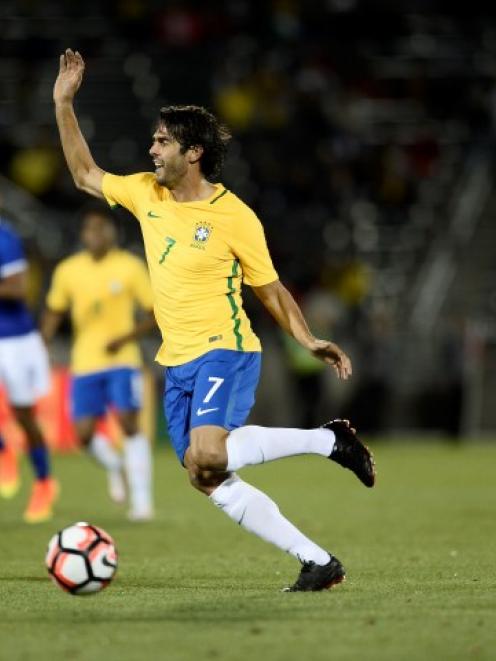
419	550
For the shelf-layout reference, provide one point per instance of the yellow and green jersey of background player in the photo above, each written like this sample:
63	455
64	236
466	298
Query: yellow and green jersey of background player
101	296
198	255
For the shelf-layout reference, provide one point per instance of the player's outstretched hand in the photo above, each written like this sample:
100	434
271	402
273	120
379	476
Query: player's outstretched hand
70	76
331	354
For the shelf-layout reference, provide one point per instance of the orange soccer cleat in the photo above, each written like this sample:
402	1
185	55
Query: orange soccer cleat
9	473
43	495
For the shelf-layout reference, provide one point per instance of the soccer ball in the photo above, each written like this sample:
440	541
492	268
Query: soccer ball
81	559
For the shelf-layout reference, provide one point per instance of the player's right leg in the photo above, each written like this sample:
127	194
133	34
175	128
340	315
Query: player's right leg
88	395
9	471
224	391
336	440
124	387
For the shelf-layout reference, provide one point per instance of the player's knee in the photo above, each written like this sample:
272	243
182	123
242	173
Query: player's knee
23	415
208	449
195	479
25	418
85	433
85	439
205	481
129	423
207	457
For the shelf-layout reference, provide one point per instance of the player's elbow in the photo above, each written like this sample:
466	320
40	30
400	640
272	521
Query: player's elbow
81	180
79	183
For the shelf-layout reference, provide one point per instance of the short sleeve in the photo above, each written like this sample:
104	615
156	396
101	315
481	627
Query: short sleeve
12	258
58	297
141	286
126	191
250	247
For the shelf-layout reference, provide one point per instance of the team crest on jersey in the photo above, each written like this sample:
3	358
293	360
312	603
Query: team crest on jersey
202	234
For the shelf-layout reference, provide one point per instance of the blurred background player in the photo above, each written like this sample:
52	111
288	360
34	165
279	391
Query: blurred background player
100	286
25	375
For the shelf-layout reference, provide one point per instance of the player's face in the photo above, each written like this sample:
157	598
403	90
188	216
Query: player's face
170	164
98	234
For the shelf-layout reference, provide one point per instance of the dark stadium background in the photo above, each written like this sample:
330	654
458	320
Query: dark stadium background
364	138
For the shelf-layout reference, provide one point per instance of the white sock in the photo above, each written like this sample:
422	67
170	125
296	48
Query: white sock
257	513
101	449
252	445
138	465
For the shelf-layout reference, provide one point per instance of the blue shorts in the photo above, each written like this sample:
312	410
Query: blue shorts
92	394
217	388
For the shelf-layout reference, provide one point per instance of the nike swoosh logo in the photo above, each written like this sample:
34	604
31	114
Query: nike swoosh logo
153	215
203	411
107	563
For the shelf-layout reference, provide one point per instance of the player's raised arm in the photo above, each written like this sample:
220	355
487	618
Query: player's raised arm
285	310
86	174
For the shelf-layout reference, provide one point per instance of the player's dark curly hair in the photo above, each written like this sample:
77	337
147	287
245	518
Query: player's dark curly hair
194	126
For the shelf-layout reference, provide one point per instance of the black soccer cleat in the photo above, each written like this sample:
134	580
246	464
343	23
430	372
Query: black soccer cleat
315	578
350	452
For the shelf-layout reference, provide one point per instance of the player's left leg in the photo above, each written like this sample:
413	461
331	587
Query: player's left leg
125	393
254	511
27	378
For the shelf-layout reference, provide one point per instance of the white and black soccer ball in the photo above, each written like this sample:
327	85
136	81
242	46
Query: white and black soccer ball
81	559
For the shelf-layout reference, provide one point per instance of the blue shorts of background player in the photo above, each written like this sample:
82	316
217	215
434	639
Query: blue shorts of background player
217	388
92	394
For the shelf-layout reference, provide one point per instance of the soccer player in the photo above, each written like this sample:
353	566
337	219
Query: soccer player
201	242
25	374
100	286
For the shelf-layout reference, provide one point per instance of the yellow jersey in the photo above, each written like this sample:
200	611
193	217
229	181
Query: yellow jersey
198	255
101	296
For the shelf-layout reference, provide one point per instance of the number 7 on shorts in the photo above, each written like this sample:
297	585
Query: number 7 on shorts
217	381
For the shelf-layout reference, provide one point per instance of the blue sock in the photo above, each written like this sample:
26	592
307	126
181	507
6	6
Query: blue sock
2	444
41	461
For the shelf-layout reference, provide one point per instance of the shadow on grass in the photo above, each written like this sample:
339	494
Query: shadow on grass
236	607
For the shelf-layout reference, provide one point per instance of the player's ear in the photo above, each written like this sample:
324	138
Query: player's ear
194	154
